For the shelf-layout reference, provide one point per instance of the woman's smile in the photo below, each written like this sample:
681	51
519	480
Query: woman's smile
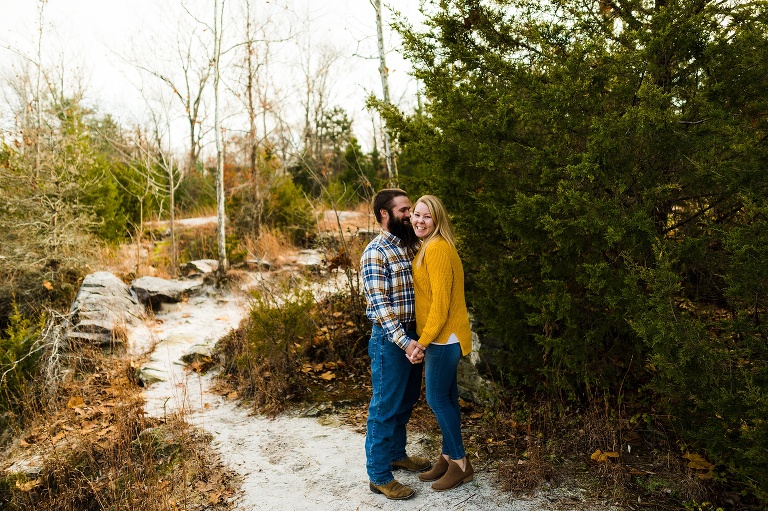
421	220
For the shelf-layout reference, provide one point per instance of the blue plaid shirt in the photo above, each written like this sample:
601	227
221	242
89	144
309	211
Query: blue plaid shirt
388	286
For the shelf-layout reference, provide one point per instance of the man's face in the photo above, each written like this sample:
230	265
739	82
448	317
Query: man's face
398	218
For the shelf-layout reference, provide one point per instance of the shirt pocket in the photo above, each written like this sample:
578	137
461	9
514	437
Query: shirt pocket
401	275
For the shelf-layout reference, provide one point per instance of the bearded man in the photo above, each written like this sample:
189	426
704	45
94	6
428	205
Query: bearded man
396	368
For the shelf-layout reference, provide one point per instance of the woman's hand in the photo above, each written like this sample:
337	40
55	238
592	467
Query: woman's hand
415	352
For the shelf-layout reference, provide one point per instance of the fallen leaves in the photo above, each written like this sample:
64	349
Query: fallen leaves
27	485
327	369
75	402
603	457
700	466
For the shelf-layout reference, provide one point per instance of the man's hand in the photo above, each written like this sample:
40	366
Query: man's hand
415	352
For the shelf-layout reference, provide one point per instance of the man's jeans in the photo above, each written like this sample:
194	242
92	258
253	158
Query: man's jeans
441	362
396	388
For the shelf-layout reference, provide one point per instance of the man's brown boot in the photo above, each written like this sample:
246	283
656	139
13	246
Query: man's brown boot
454	476
393	490
412	464
438	471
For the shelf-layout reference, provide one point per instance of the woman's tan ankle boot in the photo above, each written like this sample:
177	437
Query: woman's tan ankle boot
440	468
454	476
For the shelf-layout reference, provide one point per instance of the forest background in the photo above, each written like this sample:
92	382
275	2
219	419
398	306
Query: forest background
604	163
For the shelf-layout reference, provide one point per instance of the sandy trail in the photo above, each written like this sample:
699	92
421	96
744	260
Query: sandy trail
289	462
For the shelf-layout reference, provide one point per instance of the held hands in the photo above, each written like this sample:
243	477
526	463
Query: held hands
415	352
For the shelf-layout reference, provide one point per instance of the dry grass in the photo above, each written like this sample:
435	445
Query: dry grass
94	448
272	246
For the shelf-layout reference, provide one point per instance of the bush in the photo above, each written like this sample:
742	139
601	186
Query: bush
282	206
266	354
18	366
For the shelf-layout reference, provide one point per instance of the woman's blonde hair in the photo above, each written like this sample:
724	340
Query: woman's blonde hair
443	227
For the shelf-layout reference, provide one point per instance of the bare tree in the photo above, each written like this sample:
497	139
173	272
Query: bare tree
187	76
384	73
220	197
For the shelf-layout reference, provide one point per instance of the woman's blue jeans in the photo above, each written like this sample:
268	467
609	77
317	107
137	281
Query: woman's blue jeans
441	362
396	386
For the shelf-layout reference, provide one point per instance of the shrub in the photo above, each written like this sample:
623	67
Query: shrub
266	354
18	365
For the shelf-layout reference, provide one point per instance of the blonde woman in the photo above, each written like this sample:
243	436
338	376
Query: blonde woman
442	323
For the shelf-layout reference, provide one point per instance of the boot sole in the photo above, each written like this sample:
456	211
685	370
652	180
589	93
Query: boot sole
465	480
431	479
379	492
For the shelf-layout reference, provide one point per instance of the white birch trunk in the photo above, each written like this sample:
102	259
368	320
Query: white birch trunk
220	197
384	72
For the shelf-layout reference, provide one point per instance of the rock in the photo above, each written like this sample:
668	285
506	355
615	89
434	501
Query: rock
200	267
159	441
472	385
198	353
255	264
147	375
309	258
103	309
154	291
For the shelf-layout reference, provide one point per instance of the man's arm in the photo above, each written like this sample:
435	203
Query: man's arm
376	288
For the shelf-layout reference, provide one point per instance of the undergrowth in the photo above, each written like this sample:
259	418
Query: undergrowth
91	446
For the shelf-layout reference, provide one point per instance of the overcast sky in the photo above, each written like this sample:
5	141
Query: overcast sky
93	38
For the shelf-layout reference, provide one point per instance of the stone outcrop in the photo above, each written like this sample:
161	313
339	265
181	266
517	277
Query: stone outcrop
103	309
154	291
200	267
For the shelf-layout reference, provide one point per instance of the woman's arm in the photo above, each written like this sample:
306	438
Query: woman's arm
438	264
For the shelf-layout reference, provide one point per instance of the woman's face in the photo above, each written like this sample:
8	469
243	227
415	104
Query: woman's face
421	220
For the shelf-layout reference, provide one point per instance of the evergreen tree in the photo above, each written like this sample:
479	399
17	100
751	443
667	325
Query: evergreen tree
605	163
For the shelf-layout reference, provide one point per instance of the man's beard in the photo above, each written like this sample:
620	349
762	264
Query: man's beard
402	230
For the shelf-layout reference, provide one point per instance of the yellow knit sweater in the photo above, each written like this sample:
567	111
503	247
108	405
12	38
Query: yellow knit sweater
440	306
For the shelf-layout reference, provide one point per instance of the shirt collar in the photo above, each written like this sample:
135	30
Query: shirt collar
391	238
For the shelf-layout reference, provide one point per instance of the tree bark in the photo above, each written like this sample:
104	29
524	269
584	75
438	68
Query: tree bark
384	73
220	196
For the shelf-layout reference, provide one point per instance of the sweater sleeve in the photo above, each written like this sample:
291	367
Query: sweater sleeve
438	264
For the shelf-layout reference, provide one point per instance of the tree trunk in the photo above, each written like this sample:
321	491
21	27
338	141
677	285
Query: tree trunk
220	213
384	72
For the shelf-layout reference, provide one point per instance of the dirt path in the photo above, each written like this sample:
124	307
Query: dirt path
289	462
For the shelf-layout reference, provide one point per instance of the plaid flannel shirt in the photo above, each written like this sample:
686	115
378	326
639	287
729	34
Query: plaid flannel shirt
388	286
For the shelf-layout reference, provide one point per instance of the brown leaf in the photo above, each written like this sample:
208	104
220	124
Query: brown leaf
47	285
27	486
328	375
700	465
698	462
75	402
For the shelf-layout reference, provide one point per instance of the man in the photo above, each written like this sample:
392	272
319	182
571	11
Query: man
396	368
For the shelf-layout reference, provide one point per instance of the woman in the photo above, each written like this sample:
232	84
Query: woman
442	323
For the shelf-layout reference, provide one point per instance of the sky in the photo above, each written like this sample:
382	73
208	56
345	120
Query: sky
101	41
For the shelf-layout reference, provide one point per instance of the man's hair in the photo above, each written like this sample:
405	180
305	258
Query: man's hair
384	199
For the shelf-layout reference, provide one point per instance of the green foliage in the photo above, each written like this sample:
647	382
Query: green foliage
266	356
605	170
203	244
18	365
282	206
197	191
